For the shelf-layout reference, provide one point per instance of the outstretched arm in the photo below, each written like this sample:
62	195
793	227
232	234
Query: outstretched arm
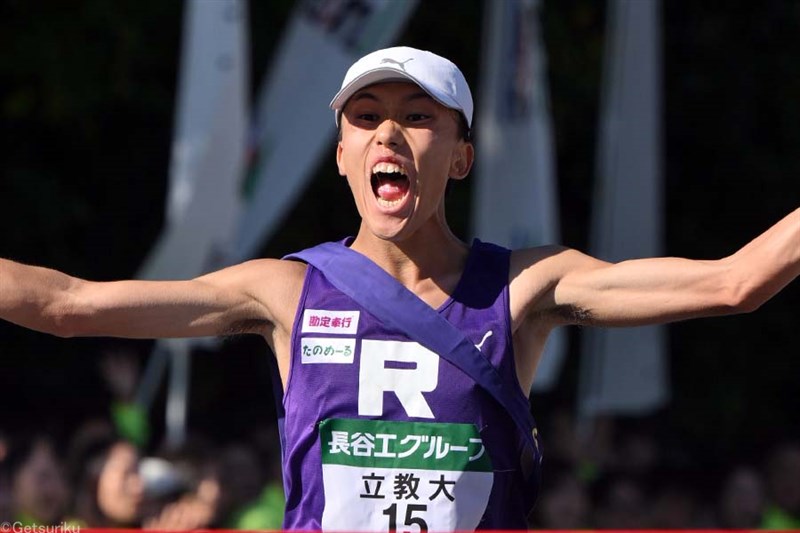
648	291
242	298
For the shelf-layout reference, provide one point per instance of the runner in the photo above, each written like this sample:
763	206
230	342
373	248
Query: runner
392	417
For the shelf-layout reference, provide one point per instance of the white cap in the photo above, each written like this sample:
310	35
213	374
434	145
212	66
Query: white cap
439	77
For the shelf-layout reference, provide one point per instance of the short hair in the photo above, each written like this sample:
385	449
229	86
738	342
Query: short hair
464	131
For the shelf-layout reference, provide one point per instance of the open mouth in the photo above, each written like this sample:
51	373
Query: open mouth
390	184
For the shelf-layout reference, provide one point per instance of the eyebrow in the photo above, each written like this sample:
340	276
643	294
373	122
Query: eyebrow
363	96
419	96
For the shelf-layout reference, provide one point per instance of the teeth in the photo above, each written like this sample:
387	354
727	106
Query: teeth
389	203
388	168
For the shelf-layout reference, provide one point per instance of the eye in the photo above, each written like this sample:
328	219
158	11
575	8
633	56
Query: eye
368	117
416	117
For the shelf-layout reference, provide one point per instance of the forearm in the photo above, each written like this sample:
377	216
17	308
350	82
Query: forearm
34	297
53	302
768	263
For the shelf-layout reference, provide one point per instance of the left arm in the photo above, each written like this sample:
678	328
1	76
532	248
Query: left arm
652	291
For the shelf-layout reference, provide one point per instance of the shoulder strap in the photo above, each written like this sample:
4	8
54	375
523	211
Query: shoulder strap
378	292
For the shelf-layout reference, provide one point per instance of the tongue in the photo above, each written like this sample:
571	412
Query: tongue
392	190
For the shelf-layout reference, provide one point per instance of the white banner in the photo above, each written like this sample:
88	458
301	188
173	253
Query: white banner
209	142
205	172
294	126
624	370
515	202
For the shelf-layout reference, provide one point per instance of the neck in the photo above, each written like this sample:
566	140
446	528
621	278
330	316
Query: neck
430	258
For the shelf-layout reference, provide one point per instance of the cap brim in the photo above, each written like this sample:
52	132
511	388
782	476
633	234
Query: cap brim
378	75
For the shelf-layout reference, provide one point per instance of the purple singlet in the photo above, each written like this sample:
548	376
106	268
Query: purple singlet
382	434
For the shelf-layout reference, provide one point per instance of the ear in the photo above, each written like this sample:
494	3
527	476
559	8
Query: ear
461	163
339	160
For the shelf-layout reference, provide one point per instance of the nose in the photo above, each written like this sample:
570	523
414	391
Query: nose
389	133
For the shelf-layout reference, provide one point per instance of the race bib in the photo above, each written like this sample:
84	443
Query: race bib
404	476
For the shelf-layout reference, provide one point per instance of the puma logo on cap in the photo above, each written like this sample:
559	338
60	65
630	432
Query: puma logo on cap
401	64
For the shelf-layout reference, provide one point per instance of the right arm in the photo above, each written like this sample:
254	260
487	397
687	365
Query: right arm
244	298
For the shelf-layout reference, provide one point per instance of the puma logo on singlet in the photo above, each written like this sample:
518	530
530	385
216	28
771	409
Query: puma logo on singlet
401	64
480	344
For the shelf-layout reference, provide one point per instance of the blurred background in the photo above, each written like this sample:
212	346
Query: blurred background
666	128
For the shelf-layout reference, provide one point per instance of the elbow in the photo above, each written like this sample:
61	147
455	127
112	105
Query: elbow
746	304
69	329
742	298
67	319
75	324
63	325
733	290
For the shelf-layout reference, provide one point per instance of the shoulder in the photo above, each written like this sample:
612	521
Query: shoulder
534	275
553	260
258	272
274	279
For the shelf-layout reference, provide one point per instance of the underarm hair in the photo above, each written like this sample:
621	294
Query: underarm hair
242	327
573	314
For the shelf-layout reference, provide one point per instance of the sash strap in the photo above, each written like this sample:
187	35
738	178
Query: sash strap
381	294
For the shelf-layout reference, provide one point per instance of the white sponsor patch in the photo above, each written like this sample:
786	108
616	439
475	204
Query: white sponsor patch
410	477
335	322
315	350
403	499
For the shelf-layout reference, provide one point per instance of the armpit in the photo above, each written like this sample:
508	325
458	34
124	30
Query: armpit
572	314
242	327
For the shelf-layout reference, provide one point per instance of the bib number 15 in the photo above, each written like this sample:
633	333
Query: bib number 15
410	519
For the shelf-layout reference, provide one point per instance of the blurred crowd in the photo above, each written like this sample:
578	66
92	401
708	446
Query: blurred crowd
108	473
102	480
618	475
606	475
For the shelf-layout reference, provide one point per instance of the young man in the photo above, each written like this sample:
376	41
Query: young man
380	431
